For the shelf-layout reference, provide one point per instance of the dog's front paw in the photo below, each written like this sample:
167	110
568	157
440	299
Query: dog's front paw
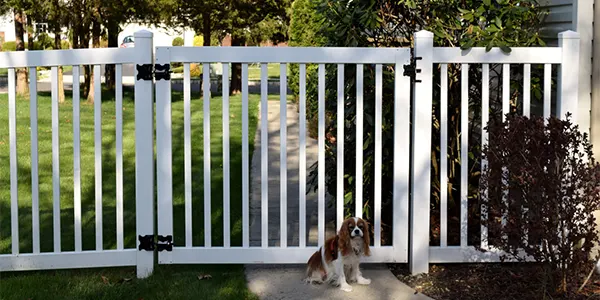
345	287
363	281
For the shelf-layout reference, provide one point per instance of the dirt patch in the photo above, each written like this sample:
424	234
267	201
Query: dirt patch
488	281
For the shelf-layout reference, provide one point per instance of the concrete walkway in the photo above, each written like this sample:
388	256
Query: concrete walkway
285	282
293	145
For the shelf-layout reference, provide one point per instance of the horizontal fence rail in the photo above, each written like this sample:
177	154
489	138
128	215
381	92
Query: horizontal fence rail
232	202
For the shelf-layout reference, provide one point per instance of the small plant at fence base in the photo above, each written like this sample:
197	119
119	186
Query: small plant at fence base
539	191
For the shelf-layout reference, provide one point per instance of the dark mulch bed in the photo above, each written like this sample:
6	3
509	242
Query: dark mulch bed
488	281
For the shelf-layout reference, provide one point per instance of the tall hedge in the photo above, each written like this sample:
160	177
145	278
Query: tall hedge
304	30
392	23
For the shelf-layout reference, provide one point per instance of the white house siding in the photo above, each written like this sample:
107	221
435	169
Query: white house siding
576	15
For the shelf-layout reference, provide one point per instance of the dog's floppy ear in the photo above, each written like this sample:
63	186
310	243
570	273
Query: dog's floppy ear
367	239
344	239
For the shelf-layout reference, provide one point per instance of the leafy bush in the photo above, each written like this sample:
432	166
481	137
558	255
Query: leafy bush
44	41
198	41
347	23
547	193
178	41
9	46
304	32
195	70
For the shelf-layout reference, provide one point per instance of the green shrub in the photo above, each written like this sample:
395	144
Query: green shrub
465	23
198	41
304	32
9	46
195	70
178	42
43	42
65	45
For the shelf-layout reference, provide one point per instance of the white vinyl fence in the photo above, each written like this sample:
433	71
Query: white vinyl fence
411	179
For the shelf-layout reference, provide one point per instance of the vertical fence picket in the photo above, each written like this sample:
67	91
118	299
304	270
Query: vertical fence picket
321	205
341	119
378	150
187	153
35	194
226	165
302	162
207	170
98	153
283	155
76	160
485	116
444	156
464	155
264	155
12	128
245	161
119	154
358	179
55	160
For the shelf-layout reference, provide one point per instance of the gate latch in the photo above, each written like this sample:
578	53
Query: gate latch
147	243
411	70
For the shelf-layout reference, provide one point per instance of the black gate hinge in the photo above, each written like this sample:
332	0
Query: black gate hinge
147	71
162	72
411	70
147	243
165	243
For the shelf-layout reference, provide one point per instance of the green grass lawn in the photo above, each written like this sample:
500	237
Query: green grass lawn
273	71
167	282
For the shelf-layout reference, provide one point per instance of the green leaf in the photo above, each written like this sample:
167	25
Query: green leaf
505	48
498	22
348	198
487	2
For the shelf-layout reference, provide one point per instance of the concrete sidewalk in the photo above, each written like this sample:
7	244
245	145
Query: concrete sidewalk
285	281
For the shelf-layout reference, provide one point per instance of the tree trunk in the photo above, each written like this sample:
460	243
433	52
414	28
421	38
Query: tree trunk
113	42
236	69
95	44
84	42
30	43
206	28
22	87
61	87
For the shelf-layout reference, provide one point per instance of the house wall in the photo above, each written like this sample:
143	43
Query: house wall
576	15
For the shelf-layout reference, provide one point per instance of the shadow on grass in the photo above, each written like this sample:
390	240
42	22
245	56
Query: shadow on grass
170	281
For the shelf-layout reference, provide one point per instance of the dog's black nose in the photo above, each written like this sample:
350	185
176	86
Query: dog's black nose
356	231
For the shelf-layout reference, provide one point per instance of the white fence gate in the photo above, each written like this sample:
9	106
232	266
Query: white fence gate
411	216
285	55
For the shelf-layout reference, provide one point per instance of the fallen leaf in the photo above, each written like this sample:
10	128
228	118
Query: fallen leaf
204	276
105	280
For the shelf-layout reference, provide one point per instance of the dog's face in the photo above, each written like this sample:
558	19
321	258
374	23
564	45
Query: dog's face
354	228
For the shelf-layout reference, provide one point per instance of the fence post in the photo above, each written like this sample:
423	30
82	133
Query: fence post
421	148
568	77
144	151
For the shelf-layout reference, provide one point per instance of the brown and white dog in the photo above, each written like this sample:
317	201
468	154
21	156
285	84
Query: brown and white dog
320	266
339	258
353	243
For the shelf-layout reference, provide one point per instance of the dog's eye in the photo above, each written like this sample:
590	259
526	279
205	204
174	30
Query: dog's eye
360	226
